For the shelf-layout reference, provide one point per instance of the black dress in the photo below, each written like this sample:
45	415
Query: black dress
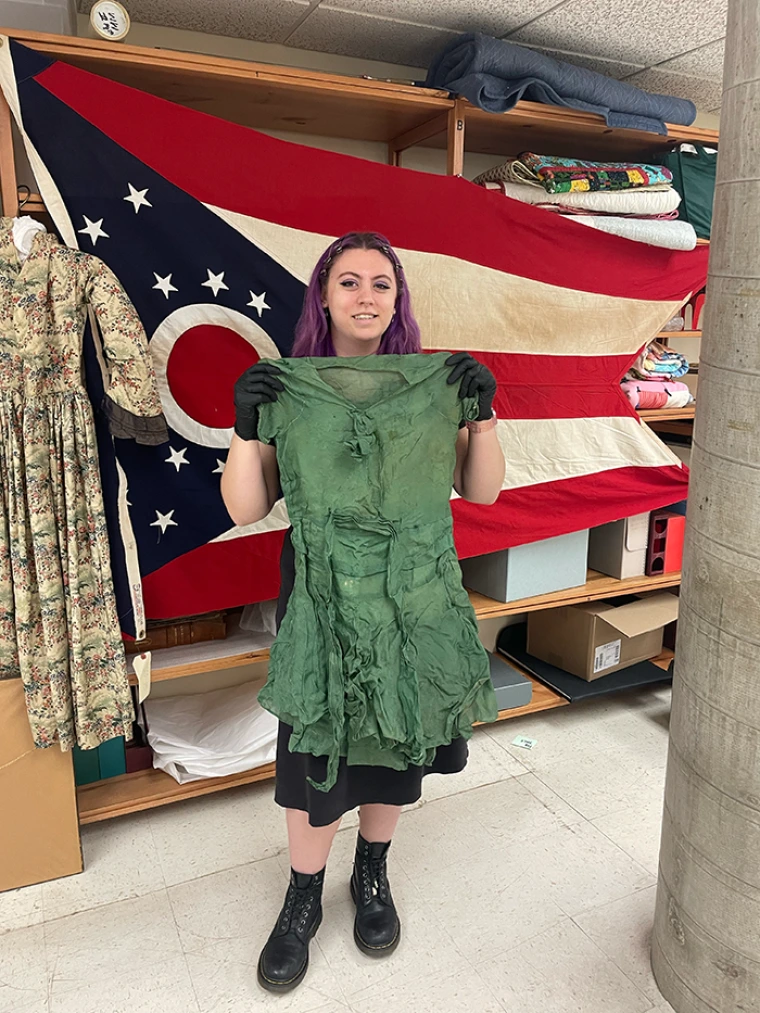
356	785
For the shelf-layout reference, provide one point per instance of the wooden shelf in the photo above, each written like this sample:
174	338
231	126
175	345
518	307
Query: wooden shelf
239	648
149	789
259	95
533	126
597	586
680	334
244	648
668	414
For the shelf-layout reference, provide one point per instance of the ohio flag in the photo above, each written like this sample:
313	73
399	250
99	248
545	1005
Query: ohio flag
213	230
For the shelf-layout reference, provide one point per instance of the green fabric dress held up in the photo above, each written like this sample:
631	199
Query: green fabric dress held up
378	658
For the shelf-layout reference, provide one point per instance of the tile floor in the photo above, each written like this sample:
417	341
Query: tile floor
525	883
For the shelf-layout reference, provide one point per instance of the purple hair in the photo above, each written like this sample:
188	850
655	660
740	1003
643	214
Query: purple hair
312	334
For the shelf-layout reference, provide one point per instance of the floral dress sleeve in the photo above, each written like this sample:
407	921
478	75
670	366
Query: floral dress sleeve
131	402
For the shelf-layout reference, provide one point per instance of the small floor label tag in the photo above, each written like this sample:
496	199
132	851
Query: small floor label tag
524	742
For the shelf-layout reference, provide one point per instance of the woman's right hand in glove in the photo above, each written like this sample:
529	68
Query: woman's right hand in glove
258	385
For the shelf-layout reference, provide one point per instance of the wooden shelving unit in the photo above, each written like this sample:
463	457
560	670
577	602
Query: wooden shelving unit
668	414
401	116
148	789
679	334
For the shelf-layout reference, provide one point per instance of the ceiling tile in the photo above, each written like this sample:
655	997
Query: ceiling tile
493	17
706	62
635	31
261	20
612	68
350	34
704	94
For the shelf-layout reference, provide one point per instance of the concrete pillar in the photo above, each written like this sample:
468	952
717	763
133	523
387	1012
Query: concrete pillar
706	941
56	16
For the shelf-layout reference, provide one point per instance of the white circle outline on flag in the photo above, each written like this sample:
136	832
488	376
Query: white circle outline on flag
165	337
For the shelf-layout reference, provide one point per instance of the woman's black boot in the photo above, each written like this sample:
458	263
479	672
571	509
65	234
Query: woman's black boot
377	930
285	958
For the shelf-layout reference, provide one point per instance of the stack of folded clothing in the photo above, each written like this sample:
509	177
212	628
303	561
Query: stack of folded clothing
633	200
652	381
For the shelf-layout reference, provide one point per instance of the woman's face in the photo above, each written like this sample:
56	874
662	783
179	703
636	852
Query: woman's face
360	296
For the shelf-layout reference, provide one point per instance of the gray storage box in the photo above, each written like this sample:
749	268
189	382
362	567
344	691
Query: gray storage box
619	549
527	570
511	687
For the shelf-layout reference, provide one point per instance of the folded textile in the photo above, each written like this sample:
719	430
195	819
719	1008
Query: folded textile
668	235
574	175
658	362
649	394
646	202
495	75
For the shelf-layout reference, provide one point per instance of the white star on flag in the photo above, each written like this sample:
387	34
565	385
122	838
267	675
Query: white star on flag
215	282
164	284
137	198
220	469
164	521
94	230
177	457
257	301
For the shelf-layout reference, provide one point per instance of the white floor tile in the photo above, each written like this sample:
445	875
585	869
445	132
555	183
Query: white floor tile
582	867
606	782
23	981
231	987
424	943
158	988
229	915
120	862
420	991
39	1005
487	763
623	931
21	908
636	831
104	942
216	832
489	900
561	971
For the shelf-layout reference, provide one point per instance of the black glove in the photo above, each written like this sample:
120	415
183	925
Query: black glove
258	385
477	381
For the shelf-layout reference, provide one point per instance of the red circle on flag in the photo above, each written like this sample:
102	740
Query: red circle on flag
201	371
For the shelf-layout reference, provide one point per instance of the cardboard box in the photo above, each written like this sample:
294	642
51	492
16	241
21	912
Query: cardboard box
598	638
39	834
527	570
619	549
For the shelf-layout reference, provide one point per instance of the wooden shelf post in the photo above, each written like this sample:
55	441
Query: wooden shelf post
8	181
455	139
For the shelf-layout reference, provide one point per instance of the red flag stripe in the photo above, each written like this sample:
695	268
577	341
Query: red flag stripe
445	215
597	499
557	386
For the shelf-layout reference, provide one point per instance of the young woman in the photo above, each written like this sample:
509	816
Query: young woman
357	304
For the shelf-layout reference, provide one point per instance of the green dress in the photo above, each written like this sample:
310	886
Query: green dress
378	658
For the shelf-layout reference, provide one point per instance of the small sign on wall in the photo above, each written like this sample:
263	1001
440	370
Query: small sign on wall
109	20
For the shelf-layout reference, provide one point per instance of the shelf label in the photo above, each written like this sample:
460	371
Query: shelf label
607	656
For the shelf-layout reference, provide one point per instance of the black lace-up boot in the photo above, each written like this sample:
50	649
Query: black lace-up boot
285	958
377	930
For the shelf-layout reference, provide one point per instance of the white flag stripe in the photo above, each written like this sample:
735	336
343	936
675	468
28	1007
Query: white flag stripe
550	450
465	306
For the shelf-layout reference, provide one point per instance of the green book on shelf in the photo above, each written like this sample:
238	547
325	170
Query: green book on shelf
113	758
86	765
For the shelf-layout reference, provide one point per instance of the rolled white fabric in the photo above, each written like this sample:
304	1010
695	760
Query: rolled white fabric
641	201
670	235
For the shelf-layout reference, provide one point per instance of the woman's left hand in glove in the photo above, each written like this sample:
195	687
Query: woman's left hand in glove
477	381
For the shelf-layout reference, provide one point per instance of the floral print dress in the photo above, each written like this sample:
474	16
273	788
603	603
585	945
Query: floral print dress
58	624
